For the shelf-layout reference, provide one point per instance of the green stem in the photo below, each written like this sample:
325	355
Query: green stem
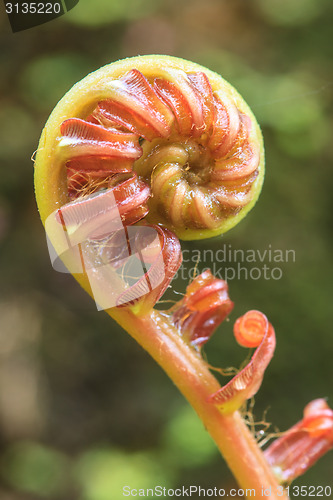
191	375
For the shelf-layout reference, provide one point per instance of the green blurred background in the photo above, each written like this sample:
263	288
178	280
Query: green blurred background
83	409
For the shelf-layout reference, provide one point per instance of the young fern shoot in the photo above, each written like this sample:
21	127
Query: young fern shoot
140	154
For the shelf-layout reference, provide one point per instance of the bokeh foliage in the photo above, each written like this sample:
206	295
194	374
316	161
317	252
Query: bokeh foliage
83	409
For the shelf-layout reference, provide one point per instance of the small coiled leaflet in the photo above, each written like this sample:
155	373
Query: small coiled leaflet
196	150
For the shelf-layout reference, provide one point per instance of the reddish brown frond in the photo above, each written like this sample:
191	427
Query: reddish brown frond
135	94
100	166
97	215
242	160
301	446
81	138
202	85
131	195
177	102
177	89
226	126
205	305
118	114
251	330
160	253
